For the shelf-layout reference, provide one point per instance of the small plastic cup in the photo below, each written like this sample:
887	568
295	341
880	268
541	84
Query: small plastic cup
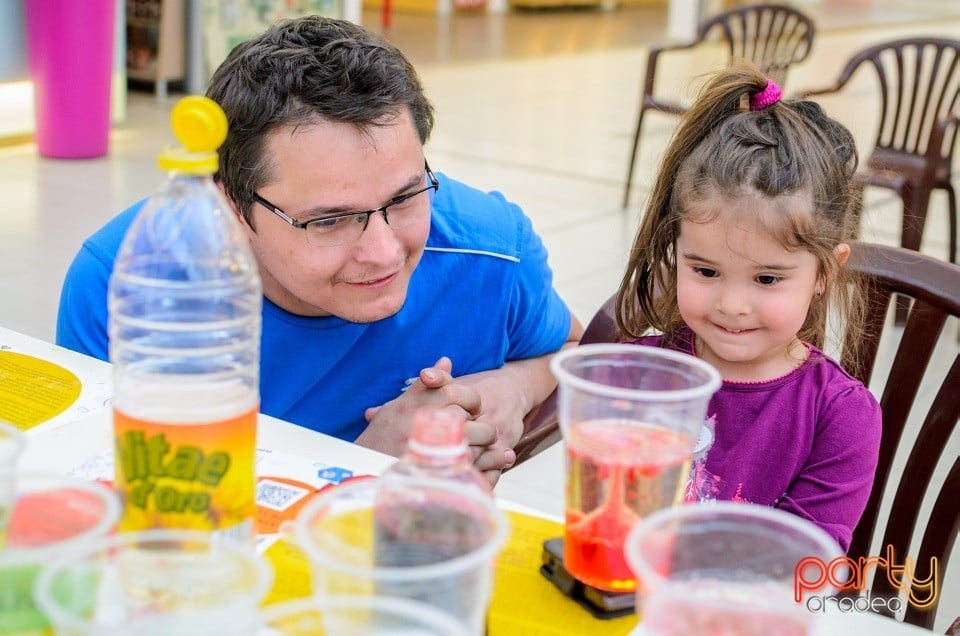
358	616
630	417
724	568
52	517
423	539
153	583
12	443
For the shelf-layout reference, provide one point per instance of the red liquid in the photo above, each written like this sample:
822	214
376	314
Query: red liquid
617	473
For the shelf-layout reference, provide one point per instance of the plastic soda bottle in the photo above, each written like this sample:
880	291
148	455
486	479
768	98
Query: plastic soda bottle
434	510
438	449
184	323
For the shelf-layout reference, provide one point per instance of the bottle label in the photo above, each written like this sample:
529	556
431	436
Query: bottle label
197	476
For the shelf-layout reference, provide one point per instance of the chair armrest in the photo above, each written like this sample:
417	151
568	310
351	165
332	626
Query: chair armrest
937	135
649	78
541	430
811	92
657	49
541	427
848	70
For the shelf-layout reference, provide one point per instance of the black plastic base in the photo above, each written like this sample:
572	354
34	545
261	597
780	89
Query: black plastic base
600	603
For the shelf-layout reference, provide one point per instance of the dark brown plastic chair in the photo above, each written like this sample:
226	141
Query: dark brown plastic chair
541	429
919	81
773	36
934	286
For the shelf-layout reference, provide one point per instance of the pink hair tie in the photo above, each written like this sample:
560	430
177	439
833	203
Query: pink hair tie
767	97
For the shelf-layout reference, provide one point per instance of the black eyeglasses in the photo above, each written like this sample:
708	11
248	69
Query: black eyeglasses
341	229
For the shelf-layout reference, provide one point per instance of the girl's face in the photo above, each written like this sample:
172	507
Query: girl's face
743	294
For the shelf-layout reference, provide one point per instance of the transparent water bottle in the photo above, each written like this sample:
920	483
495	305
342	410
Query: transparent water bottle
438	449
184	322
433	508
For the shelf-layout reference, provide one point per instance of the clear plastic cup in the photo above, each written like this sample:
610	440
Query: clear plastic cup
428	540
358	616
52	516
153	583
630	417
12	443
724	568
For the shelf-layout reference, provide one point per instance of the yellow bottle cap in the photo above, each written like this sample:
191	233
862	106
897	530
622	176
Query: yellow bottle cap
201	126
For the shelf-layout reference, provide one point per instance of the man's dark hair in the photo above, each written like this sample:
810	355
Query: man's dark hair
302	71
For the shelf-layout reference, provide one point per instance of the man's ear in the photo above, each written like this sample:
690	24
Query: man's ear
841	252
233	206
247	228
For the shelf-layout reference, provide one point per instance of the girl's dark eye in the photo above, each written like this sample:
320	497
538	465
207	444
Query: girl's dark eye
768	279
706	272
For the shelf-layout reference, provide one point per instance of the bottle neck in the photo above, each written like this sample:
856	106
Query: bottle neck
437	455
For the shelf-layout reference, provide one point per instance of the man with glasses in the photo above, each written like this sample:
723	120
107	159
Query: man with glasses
387	287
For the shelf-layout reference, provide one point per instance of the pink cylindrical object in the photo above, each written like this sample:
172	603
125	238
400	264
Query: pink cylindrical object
70	49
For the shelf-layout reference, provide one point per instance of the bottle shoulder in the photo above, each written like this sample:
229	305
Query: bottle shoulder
187	231
198	191
461	470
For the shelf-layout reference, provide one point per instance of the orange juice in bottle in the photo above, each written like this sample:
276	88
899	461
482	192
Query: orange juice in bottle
184	324
194	475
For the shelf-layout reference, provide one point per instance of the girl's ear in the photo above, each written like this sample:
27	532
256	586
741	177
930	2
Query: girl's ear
841	252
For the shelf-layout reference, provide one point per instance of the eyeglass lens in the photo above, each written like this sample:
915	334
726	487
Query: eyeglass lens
346	229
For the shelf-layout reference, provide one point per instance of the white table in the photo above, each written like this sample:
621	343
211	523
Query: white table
80	441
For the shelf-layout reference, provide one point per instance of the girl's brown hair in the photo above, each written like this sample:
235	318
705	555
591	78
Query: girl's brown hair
723	148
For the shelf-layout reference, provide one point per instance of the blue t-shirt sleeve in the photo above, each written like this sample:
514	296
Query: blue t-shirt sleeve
82	315
539	321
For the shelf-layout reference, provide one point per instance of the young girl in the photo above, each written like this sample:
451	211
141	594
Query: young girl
740	251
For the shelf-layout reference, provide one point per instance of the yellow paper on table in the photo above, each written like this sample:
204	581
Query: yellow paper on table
33	390
525	603
291	572
290	565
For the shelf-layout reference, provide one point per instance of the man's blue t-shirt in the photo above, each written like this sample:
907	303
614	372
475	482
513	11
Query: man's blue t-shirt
482	295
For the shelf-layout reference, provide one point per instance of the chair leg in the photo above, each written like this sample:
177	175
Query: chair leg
952	222
952	225
915	205
633	156
855	211
914	216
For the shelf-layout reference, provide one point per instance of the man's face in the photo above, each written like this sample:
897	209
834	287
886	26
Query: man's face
328	168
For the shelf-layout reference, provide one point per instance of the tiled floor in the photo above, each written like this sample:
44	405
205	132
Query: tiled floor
537	104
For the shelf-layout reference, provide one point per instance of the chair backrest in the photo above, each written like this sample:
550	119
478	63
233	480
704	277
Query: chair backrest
541	427
934	286
773	36
919	81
